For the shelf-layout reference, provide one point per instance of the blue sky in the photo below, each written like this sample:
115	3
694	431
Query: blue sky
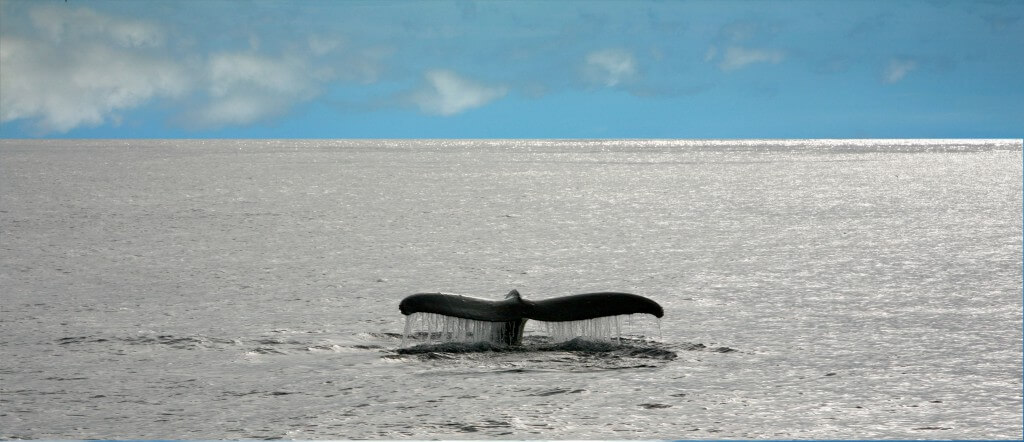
504	69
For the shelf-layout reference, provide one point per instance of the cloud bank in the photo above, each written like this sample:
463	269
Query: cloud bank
76	68
109	63
83	69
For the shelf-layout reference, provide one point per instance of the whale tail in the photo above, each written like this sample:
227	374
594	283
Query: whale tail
464	318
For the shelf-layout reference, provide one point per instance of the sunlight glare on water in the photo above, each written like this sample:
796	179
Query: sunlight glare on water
239	289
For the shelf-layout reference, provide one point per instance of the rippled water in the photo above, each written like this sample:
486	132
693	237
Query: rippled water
250	289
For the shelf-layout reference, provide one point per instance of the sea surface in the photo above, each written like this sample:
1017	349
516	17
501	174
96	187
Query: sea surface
233	289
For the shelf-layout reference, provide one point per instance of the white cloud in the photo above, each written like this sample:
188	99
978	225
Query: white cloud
245	88
736	57
237	72
897	69
447	93
609	67
70	68
80	68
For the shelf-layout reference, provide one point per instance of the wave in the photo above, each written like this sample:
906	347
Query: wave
181	342
251	346
604	353
627	347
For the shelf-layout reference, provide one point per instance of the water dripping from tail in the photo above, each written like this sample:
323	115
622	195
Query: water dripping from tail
408	328
452	329
618	331
444	328
603	328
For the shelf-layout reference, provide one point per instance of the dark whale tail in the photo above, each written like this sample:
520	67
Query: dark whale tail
503	321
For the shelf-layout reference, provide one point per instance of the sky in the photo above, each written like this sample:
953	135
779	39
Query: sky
511	69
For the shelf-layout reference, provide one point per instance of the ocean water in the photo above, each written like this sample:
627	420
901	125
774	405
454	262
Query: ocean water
249	289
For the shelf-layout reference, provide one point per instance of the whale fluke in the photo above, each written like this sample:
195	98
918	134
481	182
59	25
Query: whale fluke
590	306
504	320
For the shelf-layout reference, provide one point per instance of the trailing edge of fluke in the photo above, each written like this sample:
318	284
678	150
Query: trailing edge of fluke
514	311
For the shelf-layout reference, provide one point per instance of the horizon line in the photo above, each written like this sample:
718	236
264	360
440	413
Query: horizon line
990	139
